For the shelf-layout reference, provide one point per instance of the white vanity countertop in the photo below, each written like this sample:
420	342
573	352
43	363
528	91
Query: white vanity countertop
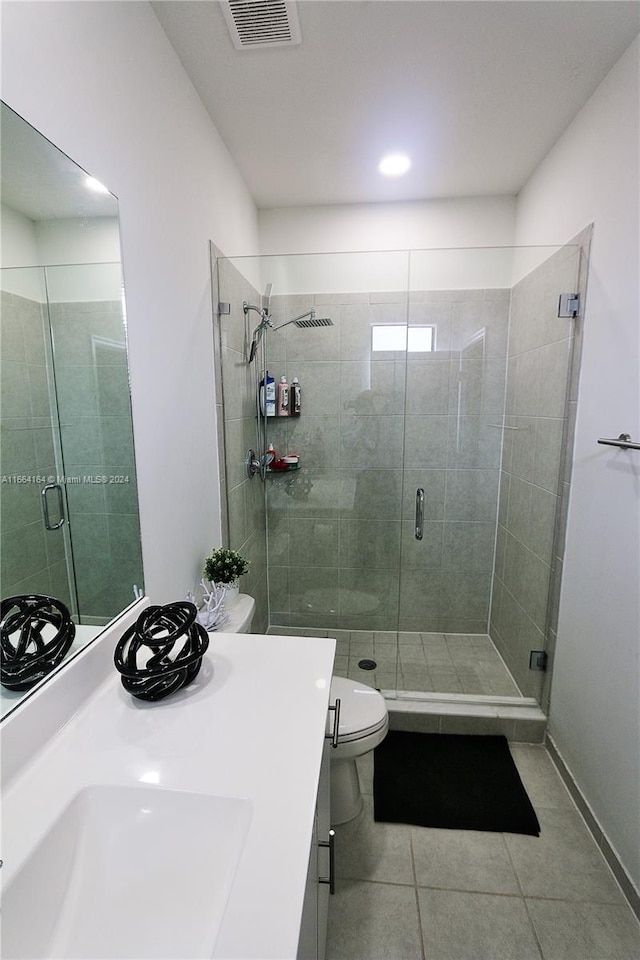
251	725
84	634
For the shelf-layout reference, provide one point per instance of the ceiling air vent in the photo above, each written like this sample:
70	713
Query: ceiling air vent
262	23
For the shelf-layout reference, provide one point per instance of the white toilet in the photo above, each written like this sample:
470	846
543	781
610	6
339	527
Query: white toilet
240	612
364	723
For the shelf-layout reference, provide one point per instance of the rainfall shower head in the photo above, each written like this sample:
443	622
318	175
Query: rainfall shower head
307	319
314	321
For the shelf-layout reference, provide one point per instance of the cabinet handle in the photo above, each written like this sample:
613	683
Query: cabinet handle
330	845
336	724
45	506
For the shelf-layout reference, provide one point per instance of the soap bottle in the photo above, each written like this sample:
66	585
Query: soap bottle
270	394
295	399
283	398
270	456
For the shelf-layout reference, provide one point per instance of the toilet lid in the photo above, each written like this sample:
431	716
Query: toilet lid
362	709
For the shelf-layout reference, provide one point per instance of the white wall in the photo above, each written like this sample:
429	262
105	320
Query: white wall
350	234
18	244
18	249
101	81
467	222
592	174
28	243
84	240
91	246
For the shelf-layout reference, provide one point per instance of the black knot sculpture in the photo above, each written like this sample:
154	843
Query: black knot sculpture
162	652
36	633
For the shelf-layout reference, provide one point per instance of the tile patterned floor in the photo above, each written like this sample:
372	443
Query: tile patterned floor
421	662
412	893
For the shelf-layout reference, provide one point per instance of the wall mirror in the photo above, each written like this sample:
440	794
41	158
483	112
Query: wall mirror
68	492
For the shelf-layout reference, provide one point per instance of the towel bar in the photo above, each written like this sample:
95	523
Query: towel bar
624	441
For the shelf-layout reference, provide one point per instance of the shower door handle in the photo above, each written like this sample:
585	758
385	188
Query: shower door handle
419	513
45	506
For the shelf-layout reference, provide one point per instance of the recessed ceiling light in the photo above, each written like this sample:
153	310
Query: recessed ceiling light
394	164
94	184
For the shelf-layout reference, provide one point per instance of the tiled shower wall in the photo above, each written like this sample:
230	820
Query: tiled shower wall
342	553
244	523
533	488
32	559
94	409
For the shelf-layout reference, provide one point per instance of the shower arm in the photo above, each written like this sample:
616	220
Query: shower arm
310	313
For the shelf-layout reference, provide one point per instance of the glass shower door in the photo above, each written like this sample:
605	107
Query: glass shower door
36	549
92	398
69	499
436	399
486	419
334	525
456	367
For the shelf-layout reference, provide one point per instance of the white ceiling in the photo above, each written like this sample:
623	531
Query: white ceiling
40	181
476	92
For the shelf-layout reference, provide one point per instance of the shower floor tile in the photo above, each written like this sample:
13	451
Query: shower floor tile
420	662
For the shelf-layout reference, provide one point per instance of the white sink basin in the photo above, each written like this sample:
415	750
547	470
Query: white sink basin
128	872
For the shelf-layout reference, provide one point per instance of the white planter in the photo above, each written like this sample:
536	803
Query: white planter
232	593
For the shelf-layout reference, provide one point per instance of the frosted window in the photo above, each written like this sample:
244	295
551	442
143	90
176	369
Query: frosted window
397	337
420	339
389	336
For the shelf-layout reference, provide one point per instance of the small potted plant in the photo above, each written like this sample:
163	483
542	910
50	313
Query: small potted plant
223	567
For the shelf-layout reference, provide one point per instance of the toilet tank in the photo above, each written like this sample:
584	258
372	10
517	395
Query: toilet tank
240	615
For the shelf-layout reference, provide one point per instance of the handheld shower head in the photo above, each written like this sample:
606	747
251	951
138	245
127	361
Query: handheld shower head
265	321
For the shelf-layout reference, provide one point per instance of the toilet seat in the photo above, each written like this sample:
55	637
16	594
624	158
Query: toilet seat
363	710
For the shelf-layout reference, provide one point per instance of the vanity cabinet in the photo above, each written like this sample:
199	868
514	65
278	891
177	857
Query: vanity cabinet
313	927
80	751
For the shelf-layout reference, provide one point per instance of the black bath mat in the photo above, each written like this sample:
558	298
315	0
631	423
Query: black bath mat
452	781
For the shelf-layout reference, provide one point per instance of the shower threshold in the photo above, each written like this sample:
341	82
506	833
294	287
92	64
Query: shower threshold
485	698
519	719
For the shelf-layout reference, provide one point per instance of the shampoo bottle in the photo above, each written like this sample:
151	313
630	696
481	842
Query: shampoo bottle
295	399
270	394
283	398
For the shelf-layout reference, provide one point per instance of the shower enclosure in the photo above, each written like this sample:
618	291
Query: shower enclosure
68	496
424	526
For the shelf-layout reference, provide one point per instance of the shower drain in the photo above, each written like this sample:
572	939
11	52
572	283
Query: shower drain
367	664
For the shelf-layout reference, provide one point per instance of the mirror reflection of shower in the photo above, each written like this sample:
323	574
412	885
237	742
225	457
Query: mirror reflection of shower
259	463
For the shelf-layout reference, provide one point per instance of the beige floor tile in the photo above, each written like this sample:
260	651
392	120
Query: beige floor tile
463	860
475	926
341	666
385	654
585	931
373	921
539	776
365	772
563	863
365	850
468	884
359	649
